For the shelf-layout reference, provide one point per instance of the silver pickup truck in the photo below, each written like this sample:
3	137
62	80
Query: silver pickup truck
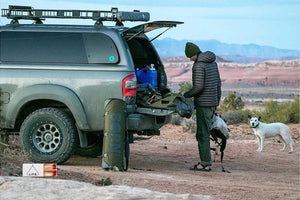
56	81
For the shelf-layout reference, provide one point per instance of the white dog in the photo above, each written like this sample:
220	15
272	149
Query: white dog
263	130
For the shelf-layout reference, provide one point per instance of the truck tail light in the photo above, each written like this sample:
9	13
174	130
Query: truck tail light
129	85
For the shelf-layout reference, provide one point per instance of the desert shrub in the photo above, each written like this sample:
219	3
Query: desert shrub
245	114
287	112
294	110
184	87
0	99
189	124
233	117
176	120
1	118
232	102
232	109
104	182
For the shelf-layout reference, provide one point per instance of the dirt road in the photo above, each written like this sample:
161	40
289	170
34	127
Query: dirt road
162	164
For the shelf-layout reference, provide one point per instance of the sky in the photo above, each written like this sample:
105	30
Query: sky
263	22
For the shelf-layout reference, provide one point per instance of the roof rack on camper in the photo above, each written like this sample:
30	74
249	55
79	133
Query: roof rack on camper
17	13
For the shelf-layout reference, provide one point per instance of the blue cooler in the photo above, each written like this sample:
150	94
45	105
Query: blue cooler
147	75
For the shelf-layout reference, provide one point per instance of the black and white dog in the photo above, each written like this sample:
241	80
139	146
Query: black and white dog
264	130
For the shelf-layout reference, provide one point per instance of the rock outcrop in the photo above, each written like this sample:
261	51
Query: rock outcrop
42	188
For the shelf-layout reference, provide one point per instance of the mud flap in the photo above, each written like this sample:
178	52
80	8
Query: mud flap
115	141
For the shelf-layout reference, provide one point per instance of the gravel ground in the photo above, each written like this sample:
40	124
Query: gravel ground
161	163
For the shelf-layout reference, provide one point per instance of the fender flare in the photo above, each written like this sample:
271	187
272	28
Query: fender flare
49	92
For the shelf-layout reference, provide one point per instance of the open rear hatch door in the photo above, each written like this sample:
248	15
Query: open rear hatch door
147	27
150	102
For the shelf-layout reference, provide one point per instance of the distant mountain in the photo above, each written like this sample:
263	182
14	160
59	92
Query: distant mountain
237	75
233	52
247	60
184	59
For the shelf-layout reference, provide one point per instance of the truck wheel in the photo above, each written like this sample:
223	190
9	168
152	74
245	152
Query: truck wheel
94	148
48	135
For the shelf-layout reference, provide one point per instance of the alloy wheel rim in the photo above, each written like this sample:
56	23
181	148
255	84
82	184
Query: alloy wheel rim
47	138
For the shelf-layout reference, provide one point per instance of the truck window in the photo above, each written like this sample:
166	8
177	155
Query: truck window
42	47
100	48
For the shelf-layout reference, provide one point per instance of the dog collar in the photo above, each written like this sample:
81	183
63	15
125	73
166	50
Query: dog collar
256	126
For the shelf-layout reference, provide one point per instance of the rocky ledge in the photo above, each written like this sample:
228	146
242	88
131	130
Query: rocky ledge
42	188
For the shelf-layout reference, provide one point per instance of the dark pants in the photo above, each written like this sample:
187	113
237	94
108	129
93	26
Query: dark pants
204	120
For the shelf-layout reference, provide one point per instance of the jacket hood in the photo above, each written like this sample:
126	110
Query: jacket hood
207	57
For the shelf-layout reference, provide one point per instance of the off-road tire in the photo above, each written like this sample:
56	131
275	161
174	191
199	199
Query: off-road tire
48	135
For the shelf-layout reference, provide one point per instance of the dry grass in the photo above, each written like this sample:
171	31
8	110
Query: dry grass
11	158
11	161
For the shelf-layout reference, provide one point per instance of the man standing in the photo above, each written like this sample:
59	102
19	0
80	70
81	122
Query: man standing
206	91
